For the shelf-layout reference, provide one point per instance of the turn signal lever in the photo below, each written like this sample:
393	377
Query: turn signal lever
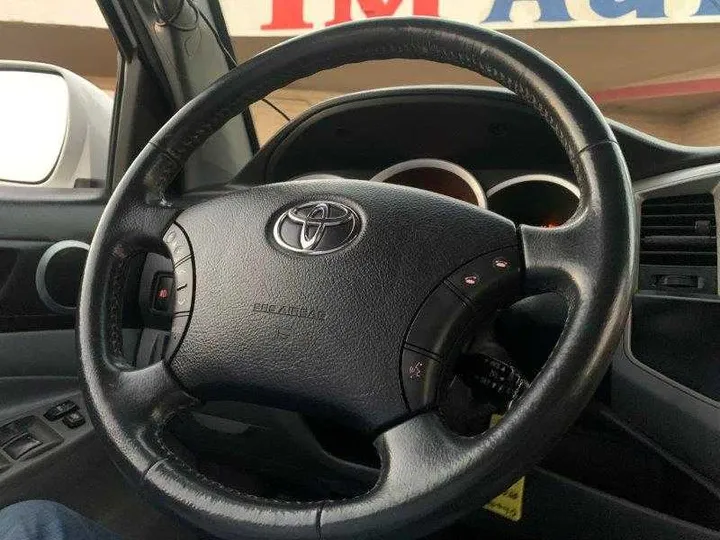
492	380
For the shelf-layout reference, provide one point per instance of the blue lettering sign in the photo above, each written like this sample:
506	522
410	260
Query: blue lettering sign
709	7
550	11
617	8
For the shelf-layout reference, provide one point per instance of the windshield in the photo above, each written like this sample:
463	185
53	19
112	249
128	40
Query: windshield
651	64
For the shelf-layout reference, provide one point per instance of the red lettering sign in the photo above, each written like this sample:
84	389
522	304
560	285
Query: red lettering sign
381	8
287	15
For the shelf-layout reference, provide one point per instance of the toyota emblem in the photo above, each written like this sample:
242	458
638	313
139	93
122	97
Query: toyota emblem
316	228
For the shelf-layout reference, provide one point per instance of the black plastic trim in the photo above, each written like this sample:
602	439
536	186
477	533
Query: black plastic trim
557	507
647	156
678	338
40	274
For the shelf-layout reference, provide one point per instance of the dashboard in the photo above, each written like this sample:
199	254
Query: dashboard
479	145
487	148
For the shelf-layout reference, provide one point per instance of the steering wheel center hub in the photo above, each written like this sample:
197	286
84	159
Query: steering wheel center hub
303	307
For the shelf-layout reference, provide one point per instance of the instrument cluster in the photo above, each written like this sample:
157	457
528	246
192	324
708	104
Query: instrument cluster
542	200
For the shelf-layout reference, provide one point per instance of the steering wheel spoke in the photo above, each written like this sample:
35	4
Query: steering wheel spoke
421	458
582	256
151	393
411	452
134	405
554	257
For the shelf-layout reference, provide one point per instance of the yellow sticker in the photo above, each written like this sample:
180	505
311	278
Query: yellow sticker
510	502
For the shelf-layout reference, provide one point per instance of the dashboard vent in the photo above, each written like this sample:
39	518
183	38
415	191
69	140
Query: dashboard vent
679	231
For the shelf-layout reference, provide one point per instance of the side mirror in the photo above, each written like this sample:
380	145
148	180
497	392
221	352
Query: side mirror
54	127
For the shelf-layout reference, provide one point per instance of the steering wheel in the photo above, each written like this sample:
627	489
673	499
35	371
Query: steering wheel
345	299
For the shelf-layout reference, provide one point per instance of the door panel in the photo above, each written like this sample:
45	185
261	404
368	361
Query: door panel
38	361
31	221
38	370
21	308
49	214
45	353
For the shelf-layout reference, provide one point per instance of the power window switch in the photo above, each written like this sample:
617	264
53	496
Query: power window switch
21	446
74	420
60	410
10	431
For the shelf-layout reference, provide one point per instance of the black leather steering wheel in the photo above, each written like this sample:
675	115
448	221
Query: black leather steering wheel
276	311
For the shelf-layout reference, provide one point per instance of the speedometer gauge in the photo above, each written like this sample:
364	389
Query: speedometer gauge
435	175
535	199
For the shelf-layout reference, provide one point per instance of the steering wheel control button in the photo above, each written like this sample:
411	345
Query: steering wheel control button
420	376
74	420
177	243
184	284
60	410
501	263
495	380
439	322
163	293
485	276
179	323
